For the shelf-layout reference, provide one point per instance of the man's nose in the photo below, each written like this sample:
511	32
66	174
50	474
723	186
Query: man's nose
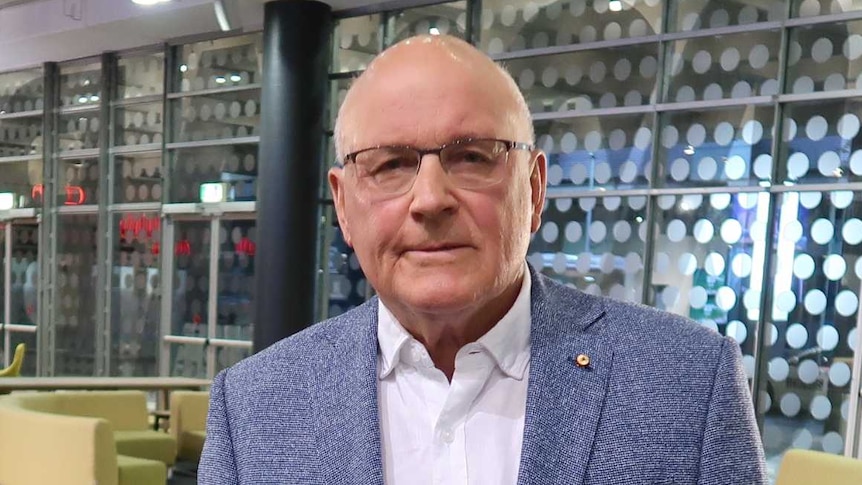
431	193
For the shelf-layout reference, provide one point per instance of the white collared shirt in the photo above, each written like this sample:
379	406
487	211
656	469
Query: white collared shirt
468	431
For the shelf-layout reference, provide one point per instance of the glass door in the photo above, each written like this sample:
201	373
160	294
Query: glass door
206	320
19	241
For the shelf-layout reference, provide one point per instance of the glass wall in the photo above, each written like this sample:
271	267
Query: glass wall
703	156
668	182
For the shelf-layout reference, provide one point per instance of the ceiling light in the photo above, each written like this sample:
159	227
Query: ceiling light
615	5
94	98
7	201
689	150
184	68
434	31
83	99
147	3
220	80
235	78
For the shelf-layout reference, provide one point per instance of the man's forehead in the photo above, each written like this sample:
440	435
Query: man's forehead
427	91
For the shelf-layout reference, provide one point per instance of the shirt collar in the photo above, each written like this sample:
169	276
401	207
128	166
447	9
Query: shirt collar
508	342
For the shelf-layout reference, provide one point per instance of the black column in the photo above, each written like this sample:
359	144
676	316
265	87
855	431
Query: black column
294	85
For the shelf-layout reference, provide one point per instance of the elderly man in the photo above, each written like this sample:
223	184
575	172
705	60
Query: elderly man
470	367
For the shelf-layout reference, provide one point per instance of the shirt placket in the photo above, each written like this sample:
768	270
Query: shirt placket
472	368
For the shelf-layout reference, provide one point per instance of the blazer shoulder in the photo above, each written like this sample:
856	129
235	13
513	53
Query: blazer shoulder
297	354
632	322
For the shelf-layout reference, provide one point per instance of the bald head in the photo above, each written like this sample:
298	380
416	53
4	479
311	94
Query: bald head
409	85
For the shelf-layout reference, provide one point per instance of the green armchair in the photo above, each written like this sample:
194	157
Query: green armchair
14	369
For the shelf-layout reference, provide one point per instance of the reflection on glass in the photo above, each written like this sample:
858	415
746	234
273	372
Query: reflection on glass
21	91
140	76
135	294
224	115
228	356
25	273
21	136
231	61
596	244
78	131
813	8
80	85
719	147
357	42
348	287
188	360
138	124
24	180
731	66
75	294
191	278
709	260
234	165
810	341
445	18
528	24
821	142
597	152
138	178
824	58
588	79
238	246
78	182
712	14
337	92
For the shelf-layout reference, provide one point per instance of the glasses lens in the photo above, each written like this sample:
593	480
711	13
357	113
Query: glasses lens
475	163
387	170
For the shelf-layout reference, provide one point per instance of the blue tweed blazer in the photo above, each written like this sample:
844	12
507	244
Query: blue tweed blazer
663	401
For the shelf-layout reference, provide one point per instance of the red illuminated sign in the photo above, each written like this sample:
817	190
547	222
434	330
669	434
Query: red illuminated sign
74	194
246	246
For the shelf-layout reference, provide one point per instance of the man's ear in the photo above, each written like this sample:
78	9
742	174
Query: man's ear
538	183
336	186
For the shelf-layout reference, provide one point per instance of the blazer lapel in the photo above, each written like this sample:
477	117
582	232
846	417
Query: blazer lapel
344	398
564	397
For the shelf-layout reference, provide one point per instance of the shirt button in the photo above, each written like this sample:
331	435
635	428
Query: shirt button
447	435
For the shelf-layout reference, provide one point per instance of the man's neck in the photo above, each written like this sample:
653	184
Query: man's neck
443	334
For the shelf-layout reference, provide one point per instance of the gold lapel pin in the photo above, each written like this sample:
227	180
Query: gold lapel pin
583	360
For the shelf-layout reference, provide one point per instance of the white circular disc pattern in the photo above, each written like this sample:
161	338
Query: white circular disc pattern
821	50
822	231
778	369
703	231
846	303
741	265
797	336
808	371
852	231
816	128
697	297
797	165
834	267
815	302
832	443
676	230
714	264
821	407
731	231
827	337
803	266
729	59
790	404
737	331
839	374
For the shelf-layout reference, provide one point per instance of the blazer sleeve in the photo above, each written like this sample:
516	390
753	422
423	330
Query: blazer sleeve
218	464
731	450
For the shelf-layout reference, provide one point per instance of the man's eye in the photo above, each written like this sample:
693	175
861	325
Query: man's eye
391	165
471	157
